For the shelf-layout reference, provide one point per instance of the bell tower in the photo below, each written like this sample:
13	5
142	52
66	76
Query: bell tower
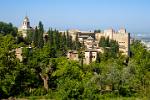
26	23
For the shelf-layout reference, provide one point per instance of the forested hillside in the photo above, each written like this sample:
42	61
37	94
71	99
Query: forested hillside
45	71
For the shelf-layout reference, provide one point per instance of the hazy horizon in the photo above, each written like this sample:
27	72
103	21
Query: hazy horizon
80	14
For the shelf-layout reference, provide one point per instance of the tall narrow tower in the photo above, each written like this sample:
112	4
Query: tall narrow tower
26	23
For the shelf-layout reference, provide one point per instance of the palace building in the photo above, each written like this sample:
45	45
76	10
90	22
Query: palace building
91	40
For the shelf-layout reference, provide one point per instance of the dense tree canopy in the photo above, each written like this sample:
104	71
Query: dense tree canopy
110	48
45	71
6	28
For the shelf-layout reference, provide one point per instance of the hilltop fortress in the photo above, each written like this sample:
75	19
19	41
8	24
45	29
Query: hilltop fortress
90	40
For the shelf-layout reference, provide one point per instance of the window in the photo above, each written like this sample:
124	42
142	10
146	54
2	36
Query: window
93	56
121	42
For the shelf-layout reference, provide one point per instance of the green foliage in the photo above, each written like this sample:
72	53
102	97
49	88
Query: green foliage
97	31
46	74
110	48
7	29
40	35
29	37
77	44
35	37
8	64
51	37
98	59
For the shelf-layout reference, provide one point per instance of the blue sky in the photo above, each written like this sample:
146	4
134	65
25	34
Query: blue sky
82	14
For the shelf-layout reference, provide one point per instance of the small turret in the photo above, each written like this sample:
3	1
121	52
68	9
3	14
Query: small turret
122	30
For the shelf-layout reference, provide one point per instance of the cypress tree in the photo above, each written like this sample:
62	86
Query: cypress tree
63	44
98	59
29	37
35	37
64	39
57	39
40	35
107	42
102	42
68	40
50	36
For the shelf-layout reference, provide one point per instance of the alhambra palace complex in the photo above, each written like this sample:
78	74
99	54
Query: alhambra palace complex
90	40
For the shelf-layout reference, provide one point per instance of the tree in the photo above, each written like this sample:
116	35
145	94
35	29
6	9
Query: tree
8	65
42	64
57	39
6	28
44	72
69	41
40	35
52	52
69	76
110	47
81	57
63	47
97	31
107	42
77	43
114	48
29	37
35	37
102	42
64	39
50	36
98	59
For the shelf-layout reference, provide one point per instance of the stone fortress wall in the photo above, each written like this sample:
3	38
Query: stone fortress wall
122	37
